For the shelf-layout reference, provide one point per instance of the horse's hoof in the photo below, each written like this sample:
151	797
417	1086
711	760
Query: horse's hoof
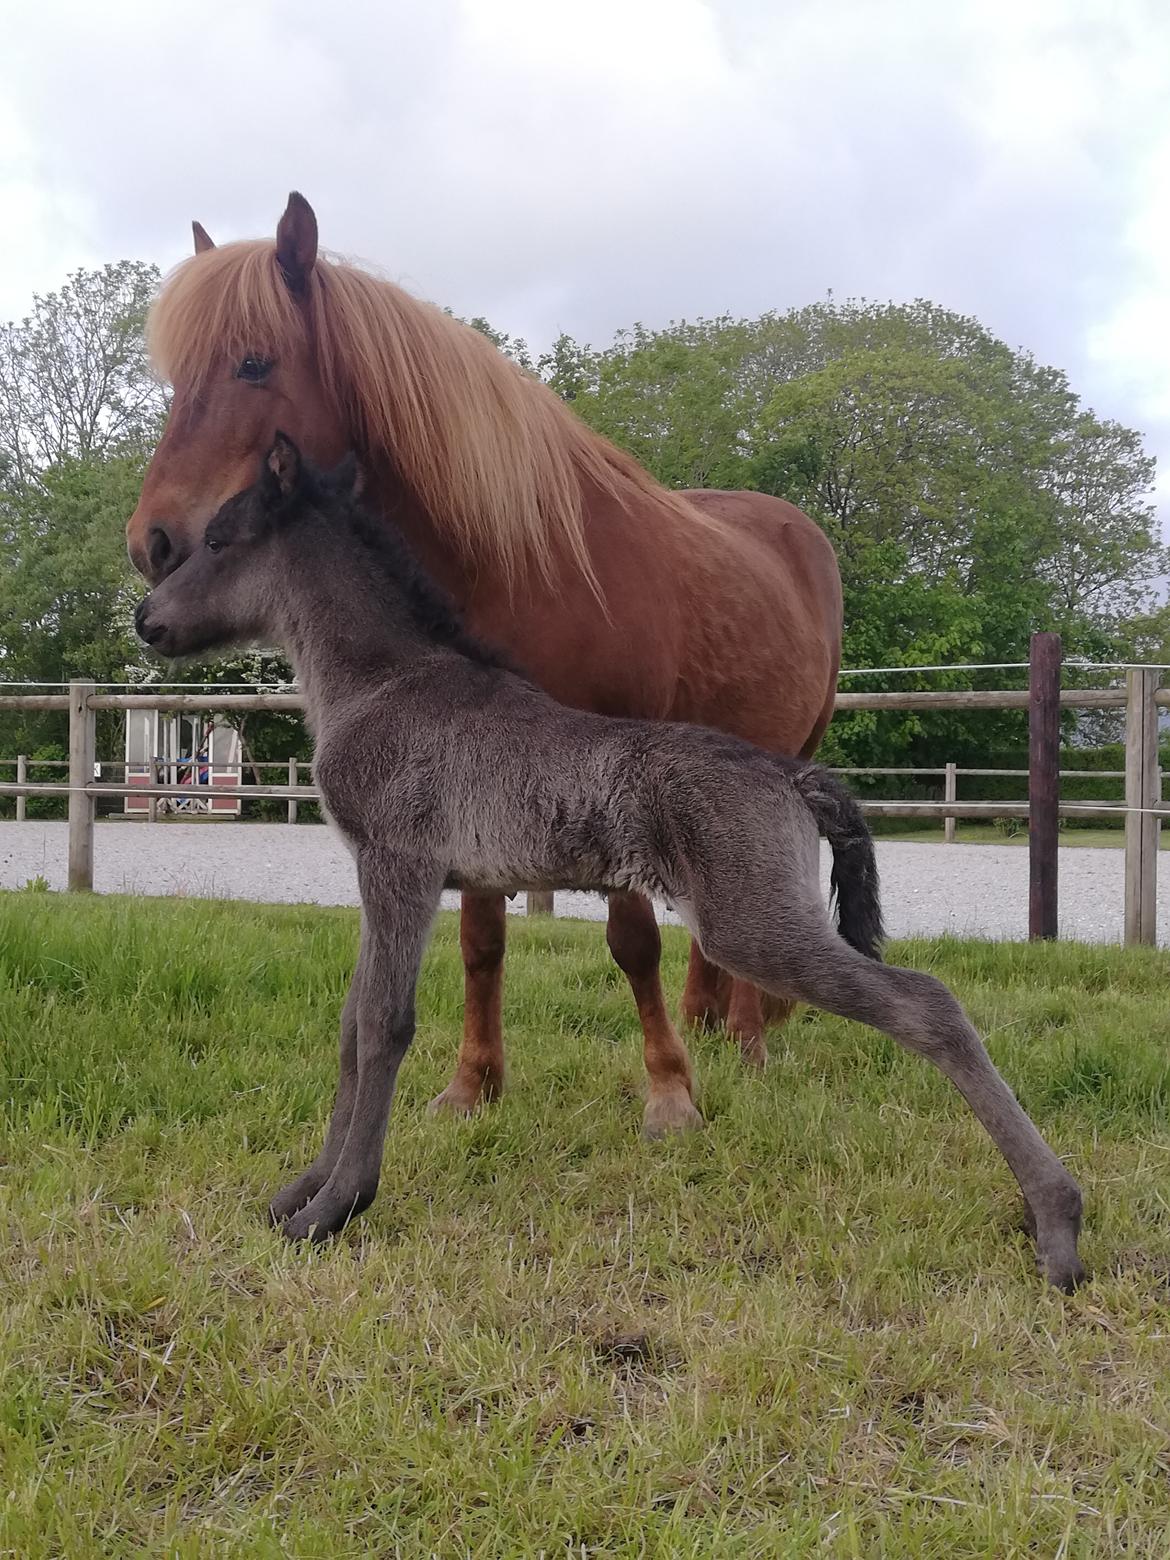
753	1050
705	1019
670	1111
462	1099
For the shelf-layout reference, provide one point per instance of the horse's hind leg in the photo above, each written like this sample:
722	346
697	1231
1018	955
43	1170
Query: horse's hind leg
710	1000
636	944
745	1021
706	993
921	1014
479	1072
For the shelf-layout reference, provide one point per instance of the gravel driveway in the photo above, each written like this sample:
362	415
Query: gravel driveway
968	890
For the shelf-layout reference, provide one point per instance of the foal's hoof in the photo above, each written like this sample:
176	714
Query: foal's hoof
1065	1274
1056	1241
670	1110
325	1215
293	1197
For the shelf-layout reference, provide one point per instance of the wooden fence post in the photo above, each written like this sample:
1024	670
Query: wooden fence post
950	794
21	779
540	902
1143	789
292	780
82	729
1043	783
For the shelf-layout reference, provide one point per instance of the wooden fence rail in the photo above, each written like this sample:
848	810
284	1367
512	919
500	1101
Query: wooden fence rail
1143	808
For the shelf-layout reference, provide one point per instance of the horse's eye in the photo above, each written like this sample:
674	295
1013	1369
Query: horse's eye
213	545
254	369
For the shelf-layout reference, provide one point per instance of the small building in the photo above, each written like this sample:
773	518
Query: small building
196	751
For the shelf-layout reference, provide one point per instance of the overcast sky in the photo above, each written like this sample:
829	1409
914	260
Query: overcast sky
582	166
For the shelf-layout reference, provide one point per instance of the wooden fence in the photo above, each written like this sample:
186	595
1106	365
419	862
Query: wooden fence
1143	808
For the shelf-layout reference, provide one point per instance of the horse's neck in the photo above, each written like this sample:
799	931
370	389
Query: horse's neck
387	496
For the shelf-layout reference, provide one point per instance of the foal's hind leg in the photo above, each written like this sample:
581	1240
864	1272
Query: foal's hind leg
636	944
479	1072
306	1186
921	1014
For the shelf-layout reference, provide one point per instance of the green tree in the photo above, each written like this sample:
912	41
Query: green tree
74	376
969	495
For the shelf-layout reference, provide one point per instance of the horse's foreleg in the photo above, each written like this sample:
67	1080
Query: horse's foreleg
479	1072
634	940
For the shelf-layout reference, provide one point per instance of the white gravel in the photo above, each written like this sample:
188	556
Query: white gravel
967	890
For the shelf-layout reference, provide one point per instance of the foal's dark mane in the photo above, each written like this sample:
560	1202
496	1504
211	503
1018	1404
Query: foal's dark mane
430	607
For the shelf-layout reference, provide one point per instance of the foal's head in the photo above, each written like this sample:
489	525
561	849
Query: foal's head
226	591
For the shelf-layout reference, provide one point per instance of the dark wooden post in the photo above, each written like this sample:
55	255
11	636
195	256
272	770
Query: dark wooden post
1043	782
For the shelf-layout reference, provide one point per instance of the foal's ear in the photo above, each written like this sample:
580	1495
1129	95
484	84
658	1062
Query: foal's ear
203	239
347	478
296	242
282	468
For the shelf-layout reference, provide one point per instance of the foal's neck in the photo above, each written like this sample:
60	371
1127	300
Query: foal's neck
342	619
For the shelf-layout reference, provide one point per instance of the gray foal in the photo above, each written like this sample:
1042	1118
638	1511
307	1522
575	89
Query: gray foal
443	767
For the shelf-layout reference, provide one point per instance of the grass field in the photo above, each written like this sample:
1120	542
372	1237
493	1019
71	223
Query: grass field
812	1328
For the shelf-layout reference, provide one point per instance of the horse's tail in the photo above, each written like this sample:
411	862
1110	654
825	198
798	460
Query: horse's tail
854	879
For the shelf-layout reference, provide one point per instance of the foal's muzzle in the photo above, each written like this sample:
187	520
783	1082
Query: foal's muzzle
150	633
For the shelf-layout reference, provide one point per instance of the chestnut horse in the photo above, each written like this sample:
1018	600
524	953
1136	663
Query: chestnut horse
615	594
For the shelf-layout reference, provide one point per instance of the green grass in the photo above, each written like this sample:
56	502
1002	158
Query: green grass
812	1328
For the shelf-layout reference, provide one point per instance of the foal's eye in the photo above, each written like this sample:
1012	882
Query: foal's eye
254	369
213	545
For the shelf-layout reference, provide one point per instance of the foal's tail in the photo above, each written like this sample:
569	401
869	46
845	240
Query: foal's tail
854	879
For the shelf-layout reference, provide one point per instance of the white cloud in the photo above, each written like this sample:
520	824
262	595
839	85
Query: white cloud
580	167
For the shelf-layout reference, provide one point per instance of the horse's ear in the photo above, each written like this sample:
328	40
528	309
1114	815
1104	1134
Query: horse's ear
282	468
203	239
296	242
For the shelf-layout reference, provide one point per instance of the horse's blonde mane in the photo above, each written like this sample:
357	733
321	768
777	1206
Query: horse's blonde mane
496	458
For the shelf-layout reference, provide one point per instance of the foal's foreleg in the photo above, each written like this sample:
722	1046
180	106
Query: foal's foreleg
479	1072
297	1193
398	906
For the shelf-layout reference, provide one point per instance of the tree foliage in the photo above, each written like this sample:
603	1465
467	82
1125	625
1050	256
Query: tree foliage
74	377
970	496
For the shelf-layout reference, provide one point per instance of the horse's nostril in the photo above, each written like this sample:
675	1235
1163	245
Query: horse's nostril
160	552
